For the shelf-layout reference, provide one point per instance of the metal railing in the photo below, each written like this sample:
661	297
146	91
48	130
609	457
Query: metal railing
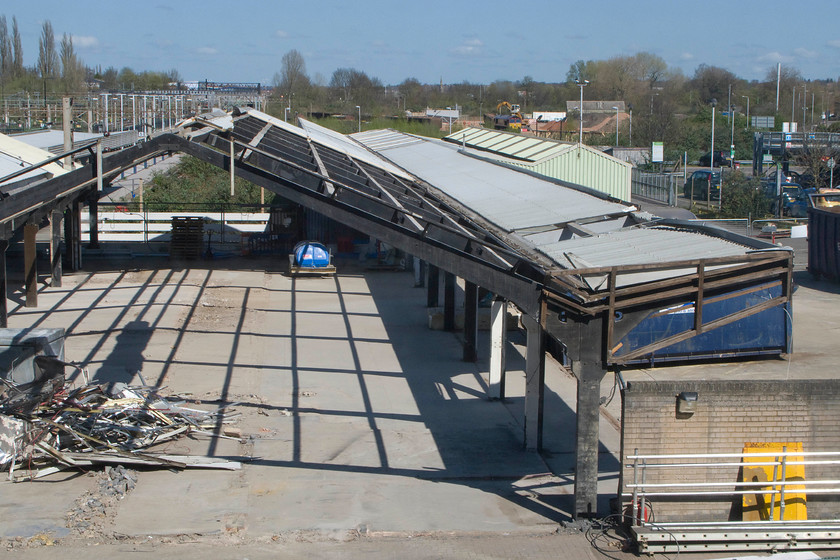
742	226
661	187
719	466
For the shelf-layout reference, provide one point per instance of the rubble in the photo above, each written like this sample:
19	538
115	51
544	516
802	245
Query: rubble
46	427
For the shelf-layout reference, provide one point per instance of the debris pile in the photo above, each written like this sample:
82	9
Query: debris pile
46	427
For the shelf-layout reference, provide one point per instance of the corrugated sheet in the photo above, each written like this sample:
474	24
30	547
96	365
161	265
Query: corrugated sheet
572	163
507	198
341	143
516	202
634	246
53	140
17	152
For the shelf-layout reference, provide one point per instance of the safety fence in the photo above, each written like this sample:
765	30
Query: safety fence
661	187
769	485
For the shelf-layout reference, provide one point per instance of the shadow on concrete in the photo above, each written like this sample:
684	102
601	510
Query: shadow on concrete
479	442
807	280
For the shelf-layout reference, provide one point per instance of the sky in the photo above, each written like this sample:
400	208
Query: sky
453	41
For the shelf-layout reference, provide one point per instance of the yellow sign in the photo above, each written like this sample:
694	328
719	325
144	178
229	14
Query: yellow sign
766	503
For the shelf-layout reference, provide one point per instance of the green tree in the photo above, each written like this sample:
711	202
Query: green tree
5	50
72	69
292	80
47	56
193	182
17	51
742	197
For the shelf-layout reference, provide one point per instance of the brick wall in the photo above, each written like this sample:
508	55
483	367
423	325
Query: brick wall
727	415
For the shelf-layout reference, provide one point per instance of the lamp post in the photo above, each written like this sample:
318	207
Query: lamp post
732	137
359	109
616	126
630	106
747	97
713	102
582	84
779	210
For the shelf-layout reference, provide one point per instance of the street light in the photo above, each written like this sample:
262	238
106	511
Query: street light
713	102
360	117
581	84
732	137
616	126
748	111
630	106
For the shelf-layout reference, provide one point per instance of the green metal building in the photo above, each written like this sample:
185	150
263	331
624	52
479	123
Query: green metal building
567	162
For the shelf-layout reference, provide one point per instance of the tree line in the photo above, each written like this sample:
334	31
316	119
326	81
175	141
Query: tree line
667	105
59	69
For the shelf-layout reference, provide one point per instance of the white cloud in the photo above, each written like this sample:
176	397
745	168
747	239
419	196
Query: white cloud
834	43
85	41
470	47
774	57
686	56
206	50
804	53
281	34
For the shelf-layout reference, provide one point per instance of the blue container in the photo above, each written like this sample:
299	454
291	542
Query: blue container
310	254
767	332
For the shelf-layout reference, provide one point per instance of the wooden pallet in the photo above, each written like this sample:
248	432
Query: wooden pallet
187	237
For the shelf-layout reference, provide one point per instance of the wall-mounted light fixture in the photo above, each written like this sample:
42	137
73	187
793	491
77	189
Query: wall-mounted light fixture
686	404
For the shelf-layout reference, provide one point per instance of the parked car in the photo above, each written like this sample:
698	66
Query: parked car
721	159
794	199
701	184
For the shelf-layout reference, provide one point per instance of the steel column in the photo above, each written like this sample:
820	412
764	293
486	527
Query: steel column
30	265
534	383
55	247
73	237
589	371
4	285
498	342
433	286
448	301
470	322
93	222
419	272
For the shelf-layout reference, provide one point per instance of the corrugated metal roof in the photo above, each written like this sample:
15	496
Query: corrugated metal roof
341	143
639	245
519	202
518	146
14	152
53	140
572	163
509	199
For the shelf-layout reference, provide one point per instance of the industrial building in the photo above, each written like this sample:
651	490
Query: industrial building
614	287
568	163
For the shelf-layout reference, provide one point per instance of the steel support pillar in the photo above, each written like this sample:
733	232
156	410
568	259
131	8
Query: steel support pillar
73	237
433	286
470	322
534	383
55	247
93	223
448	301
4	286
419	272
589	371
30	265
498	342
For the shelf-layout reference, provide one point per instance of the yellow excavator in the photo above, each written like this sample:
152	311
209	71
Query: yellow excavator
512	121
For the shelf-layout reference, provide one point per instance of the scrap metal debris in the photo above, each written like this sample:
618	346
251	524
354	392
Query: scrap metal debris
46	427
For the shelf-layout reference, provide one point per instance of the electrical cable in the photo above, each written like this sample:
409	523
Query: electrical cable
601	539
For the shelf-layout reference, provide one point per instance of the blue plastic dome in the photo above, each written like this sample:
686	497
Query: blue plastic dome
311	254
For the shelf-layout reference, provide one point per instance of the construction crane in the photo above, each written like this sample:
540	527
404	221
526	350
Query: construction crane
512	121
